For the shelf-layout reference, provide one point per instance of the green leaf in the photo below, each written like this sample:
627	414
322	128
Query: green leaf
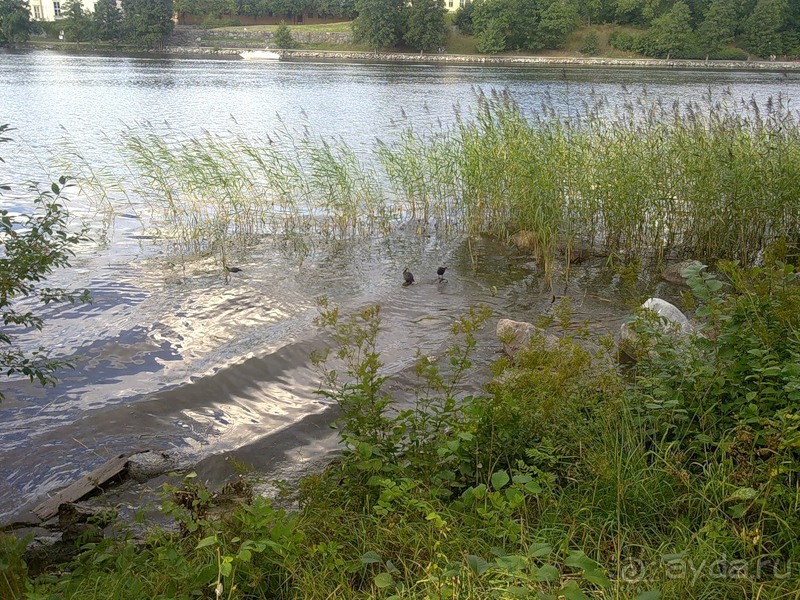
477	564
511	562
55	188
597	577
578	560
225	567
743	493
571	591
383	580
649	595
210	540
499	479
538	550
548	573
514	497
371	557
533	487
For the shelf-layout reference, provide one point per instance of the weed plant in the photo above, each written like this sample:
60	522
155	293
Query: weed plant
713	179
568	479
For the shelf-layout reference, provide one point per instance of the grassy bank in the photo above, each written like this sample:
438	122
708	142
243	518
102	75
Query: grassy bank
567	479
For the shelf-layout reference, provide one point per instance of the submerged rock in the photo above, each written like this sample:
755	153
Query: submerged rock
673	273
149	464
671	321
517	335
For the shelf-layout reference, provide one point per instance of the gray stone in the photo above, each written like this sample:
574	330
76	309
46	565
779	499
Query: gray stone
672	322
149	464
517	335
673	272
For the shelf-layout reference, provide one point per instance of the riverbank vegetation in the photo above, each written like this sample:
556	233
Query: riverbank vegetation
567	479
135	24
34	242
701	29
712	180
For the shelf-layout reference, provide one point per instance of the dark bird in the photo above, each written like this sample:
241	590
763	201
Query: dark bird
232	269
440	272
408	276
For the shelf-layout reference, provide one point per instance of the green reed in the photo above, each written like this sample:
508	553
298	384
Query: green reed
711	179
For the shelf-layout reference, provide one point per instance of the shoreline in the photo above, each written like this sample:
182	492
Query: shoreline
466	59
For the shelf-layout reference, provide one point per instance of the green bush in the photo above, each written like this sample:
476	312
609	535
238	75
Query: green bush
625	41
591	44
729	54
283	37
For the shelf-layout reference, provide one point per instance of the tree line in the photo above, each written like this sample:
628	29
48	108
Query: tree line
721	29
144	23
660	28
219	9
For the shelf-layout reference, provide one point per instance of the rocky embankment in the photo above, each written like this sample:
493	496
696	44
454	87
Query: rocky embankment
194	40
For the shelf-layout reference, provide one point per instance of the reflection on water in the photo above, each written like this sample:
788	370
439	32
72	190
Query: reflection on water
174	355
204	365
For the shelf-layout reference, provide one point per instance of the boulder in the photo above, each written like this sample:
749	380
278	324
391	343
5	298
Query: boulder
672	321
673	273
517	335
149	464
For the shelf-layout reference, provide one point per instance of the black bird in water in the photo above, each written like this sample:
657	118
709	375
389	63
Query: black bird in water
408	276
233	269
440	272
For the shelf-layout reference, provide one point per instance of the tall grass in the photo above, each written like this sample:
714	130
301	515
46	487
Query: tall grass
712	179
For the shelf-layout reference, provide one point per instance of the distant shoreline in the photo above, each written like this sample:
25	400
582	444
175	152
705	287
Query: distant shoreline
476	59
733	65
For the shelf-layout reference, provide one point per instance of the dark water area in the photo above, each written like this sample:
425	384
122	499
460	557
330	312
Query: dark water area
173	354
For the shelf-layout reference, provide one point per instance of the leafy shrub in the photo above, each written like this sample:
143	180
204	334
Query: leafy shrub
283	37
625	41
591	44
729	54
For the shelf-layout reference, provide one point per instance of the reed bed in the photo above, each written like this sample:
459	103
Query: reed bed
713	179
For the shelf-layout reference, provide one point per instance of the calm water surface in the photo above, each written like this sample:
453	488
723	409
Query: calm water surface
171	354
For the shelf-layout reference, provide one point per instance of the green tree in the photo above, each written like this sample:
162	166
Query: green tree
501	25
719	26
765	31
77	22
32	246
463	18
15	21
591	44
283	37
379	23
426	25
148	22
671	34
557	22
107	20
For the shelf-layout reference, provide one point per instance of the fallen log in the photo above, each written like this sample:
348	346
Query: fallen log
83	487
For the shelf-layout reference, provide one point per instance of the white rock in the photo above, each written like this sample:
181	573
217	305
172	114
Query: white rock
517	335
672	321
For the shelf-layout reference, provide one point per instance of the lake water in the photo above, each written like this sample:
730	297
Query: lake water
173	355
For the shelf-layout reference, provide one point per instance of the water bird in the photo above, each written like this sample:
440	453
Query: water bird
408	276
232	269
440	272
